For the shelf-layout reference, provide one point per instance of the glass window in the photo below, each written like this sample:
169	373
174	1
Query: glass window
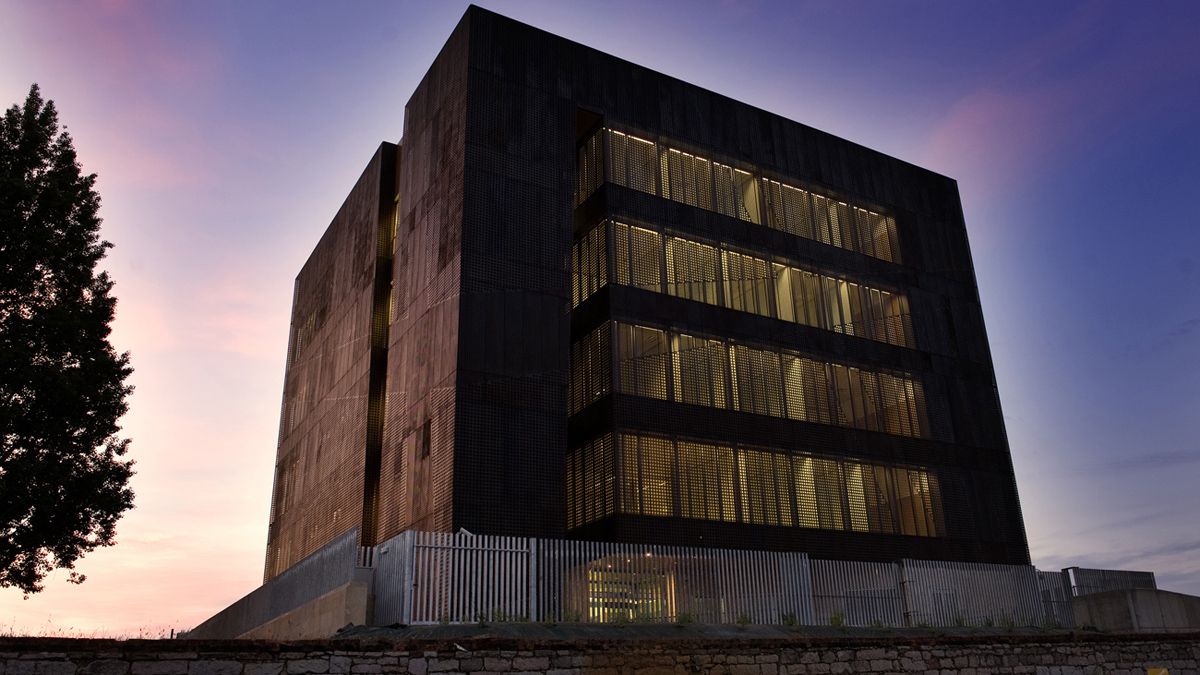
706	482
687	179
756	470
788	209
748	283
693	479
806	491
700	370
856	497
692	270
631	496
827	475
591	377
658	476
642	356
589	262
758	386
589	170
746	194
878	488
591	485
638	254
633	162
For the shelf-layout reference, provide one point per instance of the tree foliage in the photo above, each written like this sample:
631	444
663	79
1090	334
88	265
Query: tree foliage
63	480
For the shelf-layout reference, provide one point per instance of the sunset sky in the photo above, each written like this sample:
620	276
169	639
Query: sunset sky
226	134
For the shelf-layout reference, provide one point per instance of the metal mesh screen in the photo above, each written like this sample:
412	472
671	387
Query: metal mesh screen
718	275
768	382
691	479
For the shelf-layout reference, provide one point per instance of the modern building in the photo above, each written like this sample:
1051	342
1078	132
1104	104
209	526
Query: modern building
582	299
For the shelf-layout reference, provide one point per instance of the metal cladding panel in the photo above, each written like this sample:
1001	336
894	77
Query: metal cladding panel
319	475
417	461
511	432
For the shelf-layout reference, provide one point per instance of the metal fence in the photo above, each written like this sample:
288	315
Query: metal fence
856	593
435	577
1056	600
312	577
595	582
939	593
425	577
1079	581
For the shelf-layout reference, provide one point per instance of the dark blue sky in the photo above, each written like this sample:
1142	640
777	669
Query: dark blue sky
227	133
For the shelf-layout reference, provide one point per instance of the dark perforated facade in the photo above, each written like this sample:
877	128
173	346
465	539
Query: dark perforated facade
585	299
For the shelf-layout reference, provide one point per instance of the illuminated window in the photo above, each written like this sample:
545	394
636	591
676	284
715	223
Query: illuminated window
759	504
706	482
756	377
773	488
589	263
591	377
788	209
797	295
687	178
700	370
747	283
589	169
878	489
630	469
856	497
658	476
591	482
717	374
803	473
633	162
748	286
691	270
827	477
638	257
642	355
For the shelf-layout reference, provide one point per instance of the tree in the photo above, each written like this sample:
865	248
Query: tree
63	480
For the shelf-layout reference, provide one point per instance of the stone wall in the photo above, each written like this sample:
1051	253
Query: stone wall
1052	654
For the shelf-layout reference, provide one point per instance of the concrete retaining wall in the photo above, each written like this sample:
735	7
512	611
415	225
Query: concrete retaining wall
349	603
1142	610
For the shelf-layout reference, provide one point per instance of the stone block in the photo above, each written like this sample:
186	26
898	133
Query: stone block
530	663
275	668
214	668
159	668
55	668
418	666
105	667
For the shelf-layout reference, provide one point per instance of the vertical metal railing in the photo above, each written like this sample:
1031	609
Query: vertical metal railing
939	593
434	577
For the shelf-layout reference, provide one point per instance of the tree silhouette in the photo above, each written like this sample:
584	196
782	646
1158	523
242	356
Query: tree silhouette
63	482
